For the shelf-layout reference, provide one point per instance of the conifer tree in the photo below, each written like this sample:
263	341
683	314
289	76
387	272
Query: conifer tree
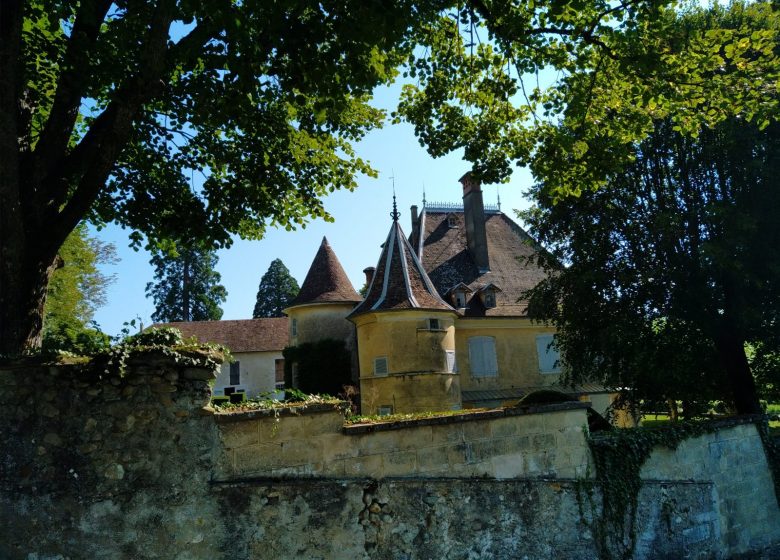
186	286
277	289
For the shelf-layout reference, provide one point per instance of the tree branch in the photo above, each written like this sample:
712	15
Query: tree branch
71	85
91	161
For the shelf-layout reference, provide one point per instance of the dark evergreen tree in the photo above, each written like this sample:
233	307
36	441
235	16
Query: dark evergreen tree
672	268
277	289
186	286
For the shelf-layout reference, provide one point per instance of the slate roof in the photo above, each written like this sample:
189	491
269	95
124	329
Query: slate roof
326	281
400	282
245	335
518	392
446	258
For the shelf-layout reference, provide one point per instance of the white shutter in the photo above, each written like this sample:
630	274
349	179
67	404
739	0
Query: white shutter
482	356
450	354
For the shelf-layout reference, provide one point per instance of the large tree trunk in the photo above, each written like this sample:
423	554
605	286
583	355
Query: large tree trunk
23	283
731	349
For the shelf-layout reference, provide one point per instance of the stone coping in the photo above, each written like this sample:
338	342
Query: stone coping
299	479
302	409
370	427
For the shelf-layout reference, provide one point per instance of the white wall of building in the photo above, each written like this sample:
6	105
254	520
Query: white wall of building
257	374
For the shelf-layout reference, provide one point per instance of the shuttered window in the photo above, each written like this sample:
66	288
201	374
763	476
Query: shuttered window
549	358
380	366
482	356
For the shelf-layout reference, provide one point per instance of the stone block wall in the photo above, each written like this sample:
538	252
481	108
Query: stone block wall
95	464
547	441
733	459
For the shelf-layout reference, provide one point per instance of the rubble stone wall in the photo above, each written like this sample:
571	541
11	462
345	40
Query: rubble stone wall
95	464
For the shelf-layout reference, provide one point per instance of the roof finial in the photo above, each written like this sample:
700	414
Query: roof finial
423	195
395	214
498	196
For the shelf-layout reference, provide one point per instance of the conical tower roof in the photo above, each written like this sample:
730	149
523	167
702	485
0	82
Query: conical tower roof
326	281
400	281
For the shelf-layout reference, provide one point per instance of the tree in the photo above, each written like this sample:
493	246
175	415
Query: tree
568	89
672	268
277	289
75	291
186	286
108	109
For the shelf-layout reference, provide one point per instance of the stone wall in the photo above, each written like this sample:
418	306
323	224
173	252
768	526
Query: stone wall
102	465
546	441
747	514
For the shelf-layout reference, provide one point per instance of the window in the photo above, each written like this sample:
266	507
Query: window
294	327
490	299
450	361
235	373
549	358
433	324
294	374
380	366
482	356
452	221
279	374
460	300
384	410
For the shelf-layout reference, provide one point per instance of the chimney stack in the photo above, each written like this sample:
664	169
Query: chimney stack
415	223
369	272
474	214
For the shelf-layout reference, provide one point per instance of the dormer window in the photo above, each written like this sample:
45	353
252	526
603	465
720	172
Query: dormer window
488	295
458	295
452	221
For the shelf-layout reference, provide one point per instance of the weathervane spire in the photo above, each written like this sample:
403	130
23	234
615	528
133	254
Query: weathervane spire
395	214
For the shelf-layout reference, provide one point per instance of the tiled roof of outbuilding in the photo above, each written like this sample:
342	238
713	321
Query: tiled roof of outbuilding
446	258
400	282
245	335
326	281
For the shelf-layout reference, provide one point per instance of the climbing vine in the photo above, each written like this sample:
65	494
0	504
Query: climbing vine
618	456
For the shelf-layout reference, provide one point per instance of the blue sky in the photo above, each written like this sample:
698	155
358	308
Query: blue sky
362	219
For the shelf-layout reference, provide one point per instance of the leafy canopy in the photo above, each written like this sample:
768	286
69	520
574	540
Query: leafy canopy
277	289
568	88
76	290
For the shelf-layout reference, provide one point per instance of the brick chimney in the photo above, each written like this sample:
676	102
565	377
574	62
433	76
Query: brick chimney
415	221
369	272
474	214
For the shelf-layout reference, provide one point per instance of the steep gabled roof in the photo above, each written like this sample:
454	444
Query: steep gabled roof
326	281
447	260
246	335
400	281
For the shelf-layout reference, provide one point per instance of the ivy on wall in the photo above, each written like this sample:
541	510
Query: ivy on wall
619	455
322	367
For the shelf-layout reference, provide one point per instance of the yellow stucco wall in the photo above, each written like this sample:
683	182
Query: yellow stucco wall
516	353
417	378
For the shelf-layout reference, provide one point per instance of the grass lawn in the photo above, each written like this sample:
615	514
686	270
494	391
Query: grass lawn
650	420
